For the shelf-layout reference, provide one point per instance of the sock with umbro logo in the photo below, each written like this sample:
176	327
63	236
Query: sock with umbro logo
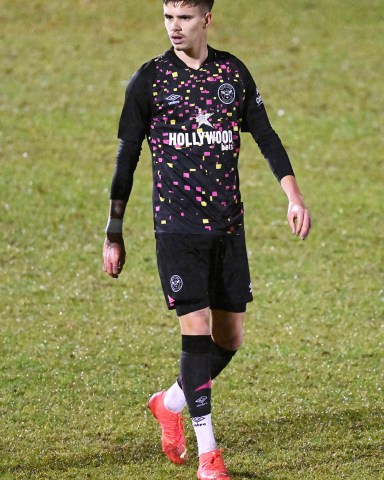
195	373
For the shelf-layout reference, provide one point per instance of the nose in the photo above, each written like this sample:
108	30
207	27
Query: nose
175	27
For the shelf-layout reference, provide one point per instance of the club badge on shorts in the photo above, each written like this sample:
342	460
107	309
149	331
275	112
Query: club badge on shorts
176	283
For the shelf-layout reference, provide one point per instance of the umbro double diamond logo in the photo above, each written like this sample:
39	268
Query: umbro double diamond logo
199	421
173	99
200	402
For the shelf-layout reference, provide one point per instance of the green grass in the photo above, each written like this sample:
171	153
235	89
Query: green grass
80	352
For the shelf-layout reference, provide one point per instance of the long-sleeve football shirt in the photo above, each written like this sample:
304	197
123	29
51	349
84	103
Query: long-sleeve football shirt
192	120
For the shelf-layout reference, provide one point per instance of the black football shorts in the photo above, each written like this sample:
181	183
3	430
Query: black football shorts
199	271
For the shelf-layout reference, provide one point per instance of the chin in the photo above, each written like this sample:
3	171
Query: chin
179	48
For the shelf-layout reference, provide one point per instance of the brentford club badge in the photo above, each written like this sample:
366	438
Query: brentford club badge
226	93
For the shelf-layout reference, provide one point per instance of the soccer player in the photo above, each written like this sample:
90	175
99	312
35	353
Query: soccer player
191	103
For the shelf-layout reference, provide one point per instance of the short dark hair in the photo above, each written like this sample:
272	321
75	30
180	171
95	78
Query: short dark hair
208	4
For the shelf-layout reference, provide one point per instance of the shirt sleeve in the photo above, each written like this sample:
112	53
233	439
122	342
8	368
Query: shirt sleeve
133	127
255	121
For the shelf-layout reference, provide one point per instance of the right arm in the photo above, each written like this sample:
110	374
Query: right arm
133	127
122	182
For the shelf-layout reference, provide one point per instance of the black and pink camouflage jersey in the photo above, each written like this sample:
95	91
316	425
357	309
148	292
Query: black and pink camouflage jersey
192	120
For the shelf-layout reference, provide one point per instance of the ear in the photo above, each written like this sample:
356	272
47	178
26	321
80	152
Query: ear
207	19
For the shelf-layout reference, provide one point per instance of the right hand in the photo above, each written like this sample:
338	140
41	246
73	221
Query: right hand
114	256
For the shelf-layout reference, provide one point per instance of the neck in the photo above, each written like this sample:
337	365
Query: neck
195	57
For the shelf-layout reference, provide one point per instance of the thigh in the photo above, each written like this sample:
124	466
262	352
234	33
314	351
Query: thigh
183	264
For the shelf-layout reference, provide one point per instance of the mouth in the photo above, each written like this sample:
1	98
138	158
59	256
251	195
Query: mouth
176	39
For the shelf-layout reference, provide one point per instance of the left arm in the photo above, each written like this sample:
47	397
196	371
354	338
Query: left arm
298	215
257	123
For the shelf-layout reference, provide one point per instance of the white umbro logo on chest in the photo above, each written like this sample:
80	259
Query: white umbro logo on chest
173	99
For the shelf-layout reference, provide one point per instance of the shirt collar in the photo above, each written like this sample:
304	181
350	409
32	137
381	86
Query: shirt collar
178	62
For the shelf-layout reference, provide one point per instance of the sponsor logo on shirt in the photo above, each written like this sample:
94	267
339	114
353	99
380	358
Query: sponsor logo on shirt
200	138
173	99
203	119
186	139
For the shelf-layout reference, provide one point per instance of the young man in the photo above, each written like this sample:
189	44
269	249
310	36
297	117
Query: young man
191	104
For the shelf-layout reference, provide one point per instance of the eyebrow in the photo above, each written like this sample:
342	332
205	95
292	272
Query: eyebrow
167	15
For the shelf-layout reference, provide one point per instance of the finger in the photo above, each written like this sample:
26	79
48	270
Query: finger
115	266
306	226
110	260
115	259
106	265
112	271
291	221
109	267
299	221
293	211
105	257
121	262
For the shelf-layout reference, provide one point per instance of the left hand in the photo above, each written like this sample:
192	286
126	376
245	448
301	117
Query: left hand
299	218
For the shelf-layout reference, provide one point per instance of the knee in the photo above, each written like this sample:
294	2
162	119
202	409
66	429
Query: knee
230	342
195	323
228	329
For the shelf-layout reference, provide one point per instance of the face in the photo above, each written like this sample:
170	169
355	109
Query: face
186	26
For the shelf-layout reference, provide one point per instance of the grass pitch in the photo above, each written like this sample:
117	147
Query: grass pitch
80	352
